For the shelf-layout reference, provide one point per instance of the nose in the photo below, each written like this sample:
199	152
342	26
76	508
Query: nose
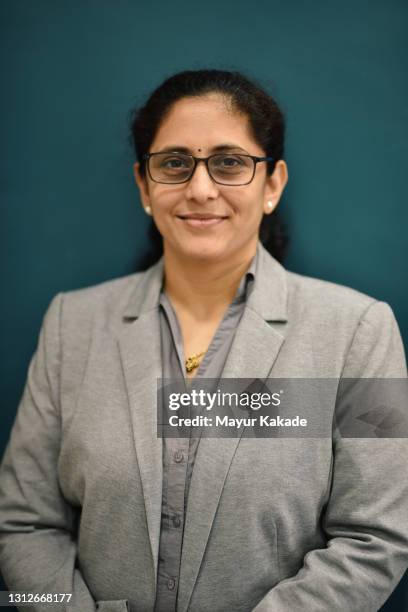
201	187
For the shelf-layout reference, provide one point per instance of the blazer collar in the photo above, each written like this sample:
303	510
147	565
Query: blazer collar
268	297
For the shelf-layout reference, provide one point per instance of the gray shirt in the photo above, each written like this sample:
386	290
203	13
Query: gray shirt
179	453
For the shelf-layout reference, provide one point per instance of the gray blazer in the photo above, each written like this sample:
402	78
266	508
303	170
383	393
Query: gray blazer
272	525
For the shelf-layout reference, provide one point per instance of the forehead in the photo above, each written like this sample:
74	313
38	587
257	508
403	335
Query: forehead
203	123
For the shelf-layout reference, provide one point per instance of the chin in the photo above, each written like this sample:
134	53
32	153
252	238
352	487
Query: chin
204	252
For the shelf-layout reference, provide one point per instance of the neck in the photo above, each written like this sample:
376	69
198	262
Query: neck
204	289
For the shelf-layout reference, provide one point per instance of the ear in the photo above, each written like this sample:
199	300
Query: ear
141	182
275	184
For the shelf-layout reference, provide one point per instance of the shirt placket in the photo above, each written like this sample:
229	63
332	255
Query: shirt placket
175	458
178	460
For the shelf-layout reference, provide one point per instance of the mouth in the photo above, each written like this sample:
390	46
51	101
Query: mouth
202	220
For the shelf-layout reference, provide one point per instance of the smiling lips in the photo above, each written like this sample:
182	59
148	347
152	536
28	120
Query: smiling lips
201	220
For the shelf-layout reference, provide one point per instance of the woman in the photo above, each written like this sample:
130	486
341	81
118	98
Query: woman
94	503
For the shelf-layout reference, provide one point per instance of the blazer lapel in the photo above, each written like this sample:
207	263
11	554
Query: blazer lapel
140	351
254	350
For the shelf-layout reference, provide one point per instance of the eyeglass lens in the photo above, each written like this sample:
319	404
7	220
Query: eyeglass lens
231	169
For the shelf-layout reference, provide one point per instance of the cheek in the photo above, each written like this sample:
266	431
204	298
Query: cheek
247	204
163	200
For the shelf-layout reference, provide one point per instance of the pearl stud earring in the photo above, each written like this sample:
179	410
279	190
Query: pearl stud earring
148	210
270	204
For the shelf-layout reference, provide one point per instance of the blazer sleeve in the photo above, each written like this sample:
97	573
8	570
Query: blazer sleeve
366	518
37	525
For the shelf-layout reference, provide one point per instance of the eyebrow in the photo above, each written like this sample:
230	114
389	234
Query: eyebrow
227	146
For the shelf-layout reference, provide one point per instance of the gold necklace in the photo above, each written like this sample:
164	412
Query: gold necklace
193	362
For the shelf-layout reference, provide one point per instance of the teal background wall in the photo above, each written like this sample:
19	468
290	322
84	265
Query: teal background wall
71	71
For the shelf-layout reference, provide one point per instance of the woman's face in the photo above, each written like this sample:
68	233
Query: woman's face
200	124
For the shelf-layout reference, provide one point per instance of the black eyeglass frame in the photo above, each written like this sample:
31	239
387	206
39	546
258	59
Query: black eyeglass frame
254	158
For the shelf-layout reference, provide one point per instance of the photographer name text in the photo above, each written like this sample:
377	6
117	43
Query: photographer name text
225	421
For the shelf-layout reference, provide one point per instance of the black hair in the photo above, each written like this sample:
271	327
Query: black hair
266	121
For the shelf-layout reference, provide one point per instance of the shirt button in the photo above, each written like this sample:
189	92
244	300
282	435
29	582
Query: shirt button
171	583
176	520
178	456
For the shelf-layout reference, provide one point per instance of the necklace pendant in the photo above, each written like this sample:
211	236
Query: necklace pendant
192	363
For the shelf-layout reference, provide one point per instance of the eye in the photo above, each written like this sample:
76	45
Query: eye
230	162
174	163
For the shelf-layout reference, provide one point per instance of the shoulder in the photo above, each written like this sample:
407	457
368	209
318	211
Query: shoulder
78	314
108	296
338	313
306	297
321	295
338	305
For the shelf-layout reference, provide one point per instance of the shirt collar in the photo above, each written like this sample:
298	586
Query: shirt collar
264	285
246	284
244	288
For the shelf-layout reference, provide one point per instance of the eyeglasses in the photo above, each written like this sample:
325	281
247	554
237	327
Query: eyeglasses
224	168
